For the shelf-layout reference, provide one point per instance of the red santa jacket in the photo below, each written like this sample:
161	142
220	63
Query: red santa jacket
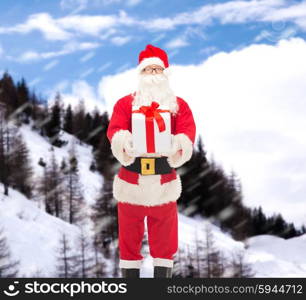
182	123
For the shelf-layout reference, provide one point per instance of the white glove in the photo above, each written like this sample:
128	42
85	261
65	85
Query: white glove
128	147
181	150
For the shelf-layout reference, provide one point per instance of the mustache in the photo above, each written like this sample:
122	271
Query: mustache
153	79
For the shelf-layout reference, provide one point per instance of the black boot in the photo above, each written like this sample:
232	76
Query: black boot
162	272
130	273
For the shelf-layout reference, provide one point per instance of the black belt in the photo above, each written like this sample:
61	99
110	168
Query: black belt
150	166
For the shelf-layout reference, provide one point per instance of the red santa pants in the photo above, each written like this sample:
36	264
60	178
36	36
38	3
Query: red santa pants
162	225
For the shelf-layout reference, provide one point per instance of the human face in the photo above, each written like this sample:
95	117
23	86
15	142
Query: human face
152	69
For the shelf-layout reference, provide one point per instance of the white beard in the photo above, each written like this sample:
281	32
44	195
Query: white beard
155	88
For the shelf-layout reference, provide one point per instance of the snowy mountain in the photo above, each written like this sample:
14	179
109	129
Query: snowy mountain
33	235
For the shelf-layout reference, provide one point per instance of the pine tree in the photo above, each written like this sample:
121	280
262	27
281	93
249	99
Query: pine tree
53	126
99	127
21	167
68	120
8	267
79	121
87	129
104	158
8	95
24	105
74	199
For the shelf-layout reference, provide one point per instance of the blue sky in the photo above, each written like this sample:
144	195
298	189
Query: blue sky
49	42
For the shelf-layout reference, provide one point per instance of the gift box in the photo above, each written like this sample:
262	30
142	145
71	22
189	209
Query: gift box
151	128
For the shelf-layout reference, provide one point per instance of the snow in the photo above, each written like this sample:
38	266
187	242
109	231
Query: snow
33	235
40	147
276	257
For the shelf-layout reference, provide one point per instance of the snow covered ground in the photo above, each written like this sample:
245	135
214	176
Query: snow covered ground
33	236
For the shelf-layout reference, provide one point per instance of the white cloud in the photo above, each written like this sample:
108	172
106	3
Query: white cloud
78	5
42	22
182	40
35	81
231	12
88	25
208	50
120	40
87	72
249	106
123	67
276	35
70	26
235	12
104	66
68	48
79	90
177	43
133	2
51	65
87	56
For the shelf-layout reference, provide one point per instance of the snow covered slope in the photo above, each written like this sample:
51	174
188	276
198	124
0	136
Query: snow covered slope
32	234
40	148
272	256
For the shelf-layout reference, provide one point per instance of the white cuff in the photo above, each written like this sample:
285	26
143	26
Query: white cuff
162	262
185	144
119	140
129	264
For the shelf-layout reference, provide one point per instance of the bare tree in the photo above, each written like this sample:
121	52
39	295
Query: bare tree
214	264
239	267
85	258
100	266
66	261
8	267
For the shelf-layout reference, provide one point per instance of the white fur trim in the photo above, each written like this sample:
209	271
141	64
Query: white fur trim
148	191
119	140
129	264
150	61
183	142
162	262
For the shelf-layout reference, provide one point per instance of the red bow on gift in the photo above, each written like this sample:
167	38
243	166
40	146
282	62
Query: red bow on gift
152	113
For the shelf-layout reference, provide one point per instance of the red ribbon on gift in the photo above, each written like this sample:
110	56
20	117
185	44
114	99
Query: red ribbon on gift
152	113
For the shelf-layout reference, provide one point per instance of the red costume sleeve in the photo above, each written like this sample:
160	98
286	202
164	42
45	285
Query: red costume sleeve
185	121
120	118
119	130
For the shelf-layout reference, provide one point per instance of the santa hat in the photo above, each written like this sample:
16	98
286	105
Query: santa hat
152	56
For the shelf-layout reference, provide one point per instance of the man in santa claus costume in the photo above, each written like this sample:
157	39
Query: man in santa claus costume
152	195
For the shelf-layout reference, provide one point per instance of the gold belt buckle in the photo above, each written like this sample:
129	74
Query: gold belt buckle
147	166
